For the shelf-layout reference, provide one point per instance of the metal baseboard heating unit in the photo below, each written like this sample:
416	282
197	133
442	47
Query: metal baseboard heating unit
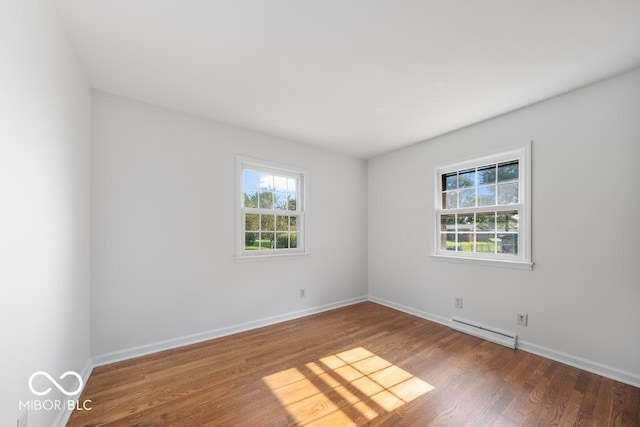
508	339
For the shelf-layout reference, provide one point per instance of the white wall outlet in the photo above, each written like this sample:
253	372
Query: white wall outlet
522	319
303	293
22	419
458	302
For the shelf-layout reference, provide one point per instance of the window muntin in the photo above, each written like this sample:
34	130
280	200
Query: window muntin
483	209
272	214
482	186
486	232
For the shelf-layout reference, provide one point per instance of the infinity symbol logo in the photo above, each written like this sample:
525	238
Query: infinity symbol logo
55	383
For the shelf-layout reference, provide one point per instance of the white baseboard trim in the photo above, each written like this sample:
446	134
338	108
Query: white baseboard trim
118	356
581	363
411	310
568	359
65	413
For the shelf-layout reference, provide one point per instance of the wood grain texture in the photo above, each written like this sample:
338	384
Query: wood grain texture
359	365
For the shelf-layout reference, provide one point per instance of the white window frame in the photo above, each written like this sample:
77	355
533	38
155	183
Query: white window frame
258	165
523	259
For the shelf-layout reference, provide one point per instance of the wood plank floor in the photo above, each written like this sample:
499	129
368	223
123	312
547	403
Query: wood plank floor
359	365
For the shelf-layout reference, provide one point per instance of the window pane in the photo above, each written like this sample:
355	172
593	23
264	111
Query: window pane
450	199
250	199
281	201
271	206
292	184
291	201
265	181
507	221
467	178
508	194
508	171
450	181
465	242
252	222
250	241
487	175
486	243
250	180
468	198
267	241
448	241
478	212
280	183
267	223
487	195
465	223
448	223
266	199
508	244
282	223
282	240
486	221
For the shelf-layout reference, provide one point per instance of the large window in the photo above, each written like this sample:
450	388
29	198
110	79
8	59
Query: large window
272	215
483	209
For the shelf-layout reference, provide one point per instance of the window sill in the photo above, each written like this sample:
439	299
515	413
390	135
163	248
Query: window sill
268	257
518	265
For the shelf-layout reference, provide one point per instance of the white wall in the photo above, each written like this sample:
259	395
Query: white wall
163	233
44	206
583	293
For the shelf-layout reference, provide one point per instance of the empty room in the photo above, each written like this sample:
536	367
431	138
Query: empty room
320	213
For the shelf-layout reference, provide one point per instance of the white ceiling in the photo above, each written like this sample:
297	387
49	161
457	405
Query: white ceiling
359	76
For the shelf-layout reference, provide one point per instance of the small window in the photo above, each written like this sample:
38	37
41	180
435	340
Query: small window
271	209
482	209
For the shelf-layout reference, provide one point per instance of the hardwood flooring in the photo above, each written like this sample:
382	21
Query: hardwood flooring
365	364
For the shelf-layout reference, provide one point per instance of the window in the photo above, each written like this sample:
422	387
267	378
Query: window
271	209
483	209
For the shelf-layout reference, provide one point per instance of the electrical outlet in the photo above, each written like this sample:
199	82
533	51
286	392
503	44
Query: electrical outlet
522	319
22	419
303	293
458	302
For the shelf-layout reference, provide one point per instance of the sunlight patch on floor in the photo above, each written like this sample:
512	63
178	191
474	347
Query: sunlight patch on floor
344	389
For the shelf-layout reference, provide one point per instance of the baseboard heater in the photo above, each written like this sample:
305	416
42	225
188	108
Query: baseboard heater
508	339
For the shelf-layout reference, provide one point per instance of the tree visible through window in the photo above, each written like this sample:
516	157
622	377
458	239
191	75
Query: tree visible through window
482	208
272	210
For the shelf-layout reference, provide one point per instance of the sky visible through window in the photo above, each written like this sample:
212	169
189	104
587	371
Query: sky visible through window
491	187
272	210
264	181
